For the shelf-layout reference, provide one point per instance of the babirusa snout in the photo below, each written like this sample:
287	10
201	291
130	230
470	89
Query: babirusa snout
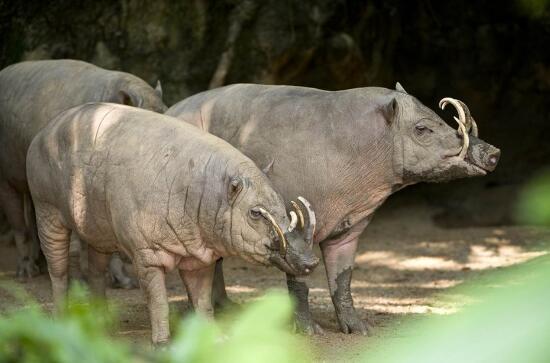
306	221
466	123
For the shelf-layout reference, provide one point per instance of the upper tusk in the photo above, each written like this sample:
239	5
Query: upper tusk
298	213
471	125
466	138
293	221
463	128
312	221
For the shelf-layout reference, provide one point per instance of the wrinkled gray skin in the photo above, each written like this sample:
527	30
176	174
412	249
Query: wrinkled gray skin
31	95
165	193
344	151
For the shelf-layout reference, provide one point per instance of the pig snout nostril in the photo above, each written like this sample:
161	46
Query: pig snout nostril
493	159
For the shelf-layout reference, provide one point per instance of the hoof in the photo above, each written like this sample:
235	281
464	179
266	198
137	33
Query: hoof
308	326
351	323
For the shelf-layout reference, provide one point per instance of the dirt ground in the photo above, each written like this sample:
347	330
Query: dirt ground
405	267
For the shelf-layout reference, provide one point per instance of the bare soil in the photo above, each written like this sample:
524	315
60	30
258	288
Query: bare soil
405	267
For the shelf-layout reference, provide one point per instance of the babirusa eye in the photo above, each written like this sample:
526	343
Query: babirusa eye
421	129
255	213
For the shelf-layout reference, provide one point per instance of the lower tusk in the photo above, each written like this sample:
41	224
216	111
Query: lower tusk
282	239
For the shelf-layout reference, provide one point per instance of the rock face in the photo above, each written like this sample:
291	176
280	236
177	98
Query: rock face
472	50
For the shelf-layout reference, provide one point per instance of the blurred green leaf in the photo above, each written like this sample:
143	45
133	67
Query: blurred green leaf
259	334
534	202
510	324
195	342
78	335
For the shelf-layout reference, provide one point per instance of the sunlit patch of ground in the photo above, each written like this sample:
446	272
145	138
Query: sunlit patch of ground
406	268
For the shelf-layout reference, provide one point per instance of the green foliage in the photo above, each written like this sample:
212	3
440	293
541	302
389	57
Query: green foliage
79	334
534	203
259	334
510	324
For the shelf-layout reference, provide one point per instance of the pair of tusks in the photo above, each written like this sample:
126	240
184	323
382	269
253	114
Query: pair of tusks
307	225
466	123
296	216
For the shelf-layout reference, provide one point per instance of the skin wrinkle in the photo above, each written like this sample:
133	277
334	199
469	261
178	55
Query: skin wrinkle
99	126
167	215
231	216
215	224
202	120
203	186
163	168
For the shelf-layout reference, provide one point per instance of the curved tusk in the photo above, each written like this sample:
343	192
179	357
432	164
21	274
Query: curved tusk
462	123
298	213
466	143
471	125
293	221
278	230
312	221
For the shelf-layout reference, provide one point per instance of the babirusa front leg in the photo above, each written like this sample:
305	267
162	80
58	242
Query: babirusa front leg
339	257
298	289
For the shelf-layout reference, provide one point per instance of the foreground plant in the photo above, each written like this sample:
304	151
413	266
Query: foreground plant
260	333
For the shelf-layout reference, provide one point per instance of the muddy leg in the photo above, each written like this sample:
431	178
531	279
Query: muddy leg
297	286
151	280
55	241
97	266
199	288
12	203
338	255
219	294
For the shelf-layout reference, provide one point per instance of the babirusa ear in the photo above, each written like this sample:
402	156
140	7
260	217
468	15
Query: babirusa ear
158	89
389	110
124	98
399	87
235	186
127	98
